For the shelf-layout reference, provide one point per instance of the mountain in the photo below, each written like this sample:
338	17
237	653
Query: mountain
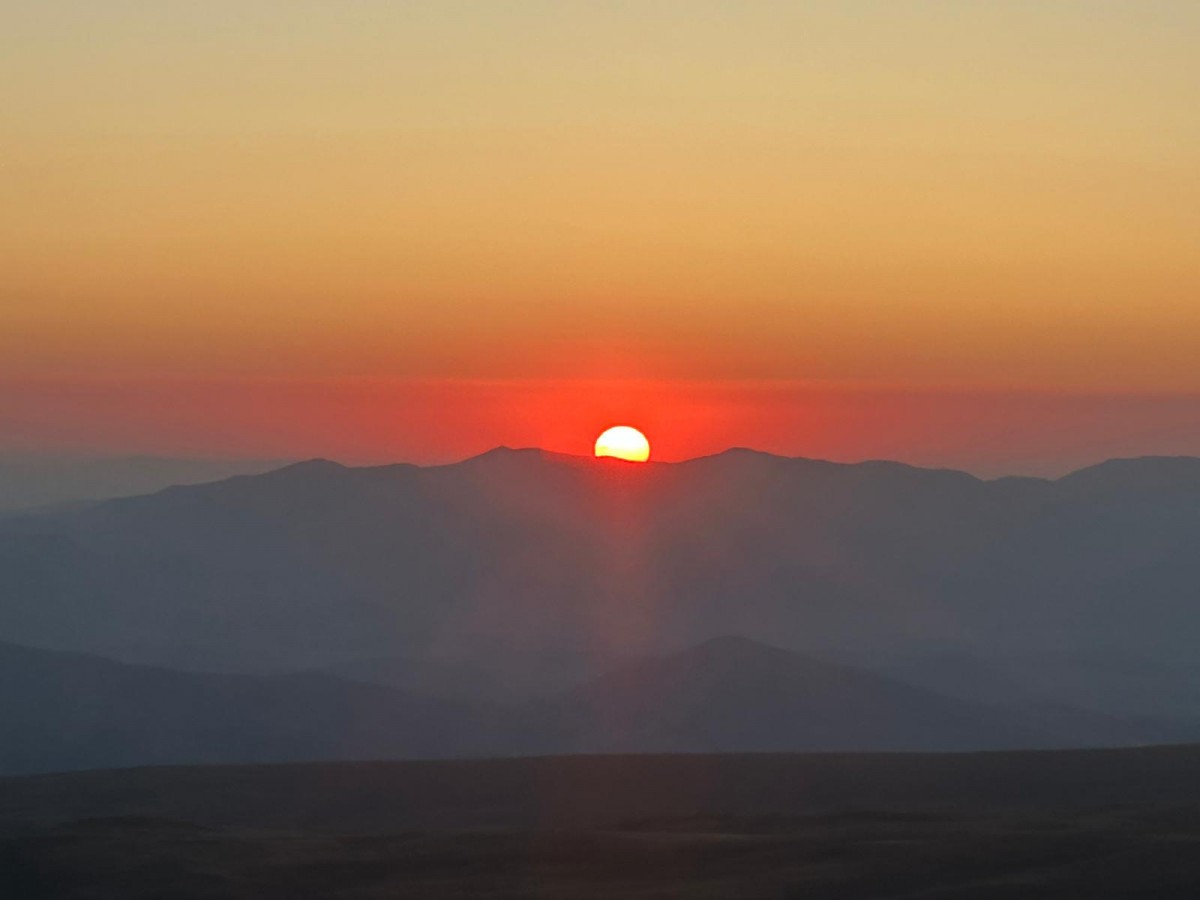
497	677
29	480
1103	683
65	711
736	695
69	711
522	552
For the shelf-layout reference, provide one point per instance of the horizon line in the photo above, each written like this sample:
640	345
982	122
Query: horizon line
613	461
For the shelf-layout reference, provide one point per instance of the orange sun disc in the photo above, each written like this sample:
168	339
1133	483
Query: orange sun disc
623	442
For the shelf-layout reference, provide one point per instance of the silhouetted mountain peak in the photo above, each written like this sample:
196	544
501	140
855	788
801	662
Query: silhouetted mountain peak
1138	473
1150	472
741	456
506	455
305	468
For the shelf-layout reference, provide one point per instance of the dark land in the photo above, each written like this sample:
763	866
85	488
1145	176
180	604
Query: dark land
1059	824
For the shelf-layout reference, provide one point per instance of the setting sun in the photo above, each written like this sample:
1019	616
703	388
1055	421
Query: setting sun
623	442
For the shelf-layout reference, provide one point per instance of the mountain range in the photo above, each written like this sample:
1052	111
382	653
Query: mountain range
36	480
522	551
65	711
559	603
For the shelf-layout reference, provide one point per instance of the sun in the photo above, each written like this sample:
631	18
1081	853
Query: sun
623	442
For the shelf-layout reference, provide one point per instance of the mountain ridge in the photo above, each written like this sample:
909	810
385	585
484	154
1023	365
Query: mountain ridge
322	466
68	711
318	563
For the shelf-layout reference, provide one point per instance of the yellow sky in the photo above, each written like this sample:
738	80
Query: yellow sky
900	193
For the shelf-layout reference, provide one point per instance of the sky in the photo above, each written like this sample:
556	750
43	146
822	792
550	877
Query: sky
944	232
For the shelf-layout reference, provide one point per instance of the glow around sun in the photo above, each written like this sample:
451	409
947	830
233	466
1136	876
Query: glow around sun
623	442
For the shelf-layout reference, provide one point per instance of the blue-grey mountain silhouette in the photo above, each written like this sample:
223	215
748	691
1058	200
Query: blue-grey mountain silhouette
518	576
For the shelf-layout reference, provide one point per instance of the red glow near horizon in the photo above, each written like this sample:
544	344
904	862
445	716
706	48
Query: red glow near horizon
377	421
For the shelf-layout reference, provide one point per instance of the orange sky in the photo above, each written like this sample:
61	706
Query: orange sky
708	199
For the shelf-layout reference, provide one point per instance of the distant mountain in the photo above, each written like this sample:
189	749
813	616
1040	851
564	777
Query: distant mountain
69	711
496	677
525	553
65	711
736	695
32	480
1105	683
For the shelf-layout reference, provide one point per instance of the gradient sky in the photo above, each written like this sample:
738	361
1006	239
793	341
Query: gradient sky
948	232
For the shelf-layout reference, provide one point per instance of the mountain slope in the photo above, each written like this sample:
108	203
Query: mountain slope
69	711
736	695
65	711
28	481
318	565
1104	683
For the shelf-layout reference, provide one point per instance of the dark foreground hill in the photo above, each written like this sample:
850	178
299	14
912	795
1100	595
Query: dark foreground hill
1094	824
607	791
